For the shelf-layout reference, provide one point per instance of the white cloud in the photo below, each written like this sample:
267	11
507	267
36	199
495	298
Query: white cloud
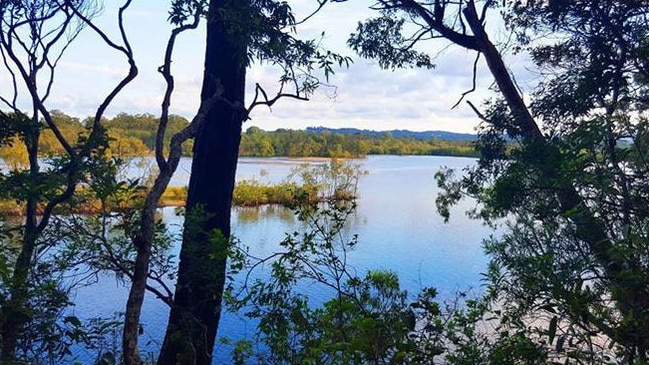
366	96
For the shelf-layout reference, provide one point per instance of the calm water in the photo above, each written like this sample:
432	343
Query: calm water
396	222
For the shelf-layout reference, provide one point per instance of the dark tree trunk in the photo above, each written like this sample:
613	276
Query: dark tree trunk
196	310
14	312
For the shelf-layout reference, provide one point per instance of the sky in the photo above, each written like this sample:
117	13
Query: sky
362	96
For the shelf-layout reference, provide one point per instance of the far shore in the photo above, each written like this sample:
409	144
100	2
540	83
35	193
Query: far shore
291	160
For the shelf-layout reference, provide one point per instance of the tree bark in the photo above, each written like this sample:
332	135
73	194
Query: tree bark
144	238
195	314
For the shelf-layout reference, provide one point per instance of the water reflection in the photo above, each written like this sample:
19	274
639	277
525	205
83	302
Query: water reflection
396	222
252	215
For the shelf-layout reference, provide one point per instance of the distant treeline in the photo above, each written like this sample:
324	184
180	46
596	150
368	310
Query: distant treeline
296	143
134	135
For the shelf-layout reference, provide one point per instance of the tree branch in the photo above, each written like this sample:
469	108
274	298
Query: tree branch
165	70
259	91
473	81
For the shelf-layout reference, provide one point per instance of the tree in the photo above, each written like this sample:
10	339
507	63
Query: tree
185	16
567	169
45	24
83	156
33	37
591	103
237	33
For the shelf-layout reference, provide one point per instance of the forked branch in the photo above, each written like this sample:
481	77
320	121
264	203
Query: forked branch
261	98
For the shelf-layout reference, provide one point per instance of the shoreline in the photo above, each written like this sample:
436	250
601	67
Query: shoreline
285	160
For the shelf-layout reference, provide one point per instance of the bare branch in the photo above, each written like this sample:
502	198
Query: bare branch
34	65
321	4
132	73
72	169
166	297
175	147
269	102
435	20
11	104
473	81
52	64
477	112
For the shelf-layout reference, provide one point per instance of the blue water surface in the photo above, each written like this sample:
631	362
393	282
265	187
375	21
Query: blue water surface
397	225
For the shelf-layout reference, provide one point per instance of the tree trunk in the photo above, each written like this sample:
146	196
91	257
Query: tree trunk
194	317
14	312
144	239
131	331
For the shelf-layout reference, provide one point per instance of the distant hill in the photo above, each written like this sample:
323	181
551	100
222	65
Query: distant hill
397	133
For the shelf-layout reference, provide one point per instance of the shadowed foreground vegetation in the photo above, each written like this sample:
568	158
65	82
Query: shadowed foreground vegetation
568	274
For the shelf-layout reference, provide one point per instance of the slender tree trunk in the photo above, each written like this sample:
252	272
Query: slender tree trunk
196	310
135	299
143	243
15	313
144	239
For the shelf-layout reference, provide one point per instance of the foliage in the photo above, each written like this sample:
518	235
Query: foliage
569	273
238	33
250	193
71	250
367	310
134	135
568	281
383	38
129	136
597	130
103	239
302	183
51	277
357	319
544	266
38	276
336	180
143	127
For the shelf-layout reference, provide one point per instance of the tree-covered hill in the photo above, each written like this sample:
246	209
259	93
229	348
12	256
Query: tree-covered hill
398	133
